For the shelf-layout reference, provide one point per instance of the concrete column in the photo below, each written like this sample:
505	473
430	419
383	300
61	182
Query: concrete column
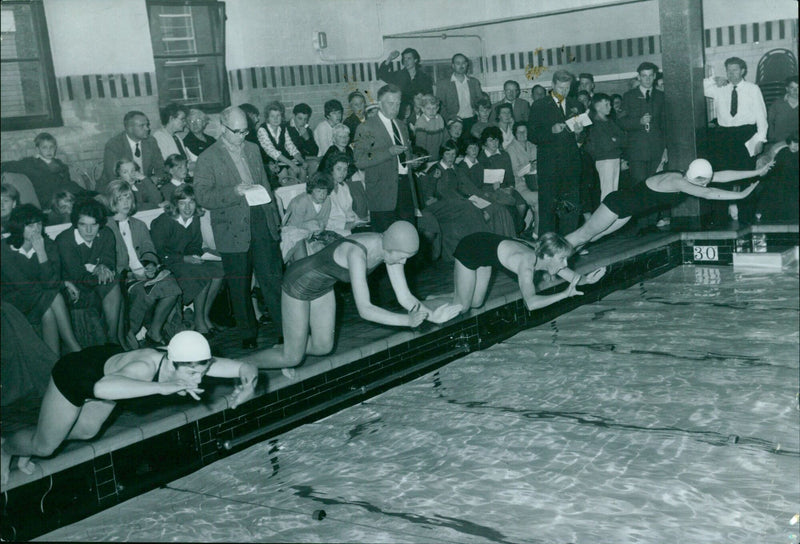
683	59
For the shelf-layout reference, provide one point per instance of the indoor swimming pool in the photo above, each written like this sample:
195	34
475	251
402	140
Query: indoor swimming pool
666	412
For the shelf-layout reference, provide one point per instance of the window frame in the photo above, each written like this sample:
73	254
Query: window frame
53	117
218	17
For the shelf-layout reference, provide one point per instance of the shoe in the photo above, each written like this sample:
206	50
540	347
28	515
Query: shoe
249	343
663	222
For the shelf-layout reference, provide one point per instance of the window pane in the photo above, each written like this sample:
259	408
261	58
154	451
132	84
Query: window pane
22	89
182	30
18	33
189	81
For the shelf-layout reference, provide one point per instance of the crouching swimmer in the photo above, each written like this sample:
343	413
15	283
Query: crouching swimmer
84	386
309	306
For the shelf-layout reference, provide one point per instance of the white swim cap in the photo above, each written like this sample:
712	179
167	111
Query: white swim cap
188	347
699	168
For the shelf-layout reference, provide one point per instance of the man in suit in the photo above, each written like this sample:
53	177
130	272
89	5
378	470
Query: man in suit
134	143
459	94
382	148
559	159
644	124
228	176
519	106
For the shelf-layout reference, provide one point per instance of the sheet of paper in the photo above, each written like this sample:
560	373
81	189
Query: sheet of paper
210	257
493	175
257	195
286	193
751	145
582	119
479	202
524	171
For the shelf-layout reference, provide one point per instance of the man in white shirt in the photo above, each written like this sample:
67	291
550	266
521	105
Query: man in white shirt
742	126
459	93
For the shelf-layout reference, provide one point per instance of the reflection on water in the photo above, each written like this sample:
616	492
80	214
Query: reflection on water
664	413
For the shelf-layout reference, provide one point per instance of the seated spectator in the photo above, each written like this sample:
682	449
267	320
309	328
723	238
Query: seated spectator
455	215
179	243
147	288
505	122
178	170
196	140
323	134
341	139
47	173
279	175
173	122
134	144
493	158
88	263
343	218
357	116
301	136
523	161
604	143
455	132
60	208
306	215
9	199
31	278
148	197
617	105
537	93
782	115
253	121
429	129
484	112
519	106
275	141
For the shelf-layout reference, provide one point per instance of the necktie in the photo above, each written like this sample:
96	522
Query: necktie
647	96
178	143
138	152
734	102
398	141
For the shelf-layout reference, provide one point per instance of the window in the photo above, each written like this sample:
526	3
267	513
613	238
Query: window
28	95
189	49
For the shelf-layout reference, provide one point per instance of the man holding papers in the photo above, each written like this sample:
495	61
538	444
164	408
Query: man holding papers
382	148
231	183
559	159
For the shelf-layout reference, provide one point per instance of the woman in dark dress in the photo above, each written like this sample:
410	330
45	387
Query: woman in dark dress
179	243
31	278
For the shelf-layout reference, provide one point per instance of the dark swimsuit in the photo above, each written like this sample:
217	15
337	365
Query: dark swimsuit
315	275
76	373
639	199
479	249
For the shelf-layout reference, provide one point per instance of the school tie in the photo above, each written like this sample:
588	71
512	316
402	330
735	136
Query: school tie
647	96
734	102
138	152
398	141
179	144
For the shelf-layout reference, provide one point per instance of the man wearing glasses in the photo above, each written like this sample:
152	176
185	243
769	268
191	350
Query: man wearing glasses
230	181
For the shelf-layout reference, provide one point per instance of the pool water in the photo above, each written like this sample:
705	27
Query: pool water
667	412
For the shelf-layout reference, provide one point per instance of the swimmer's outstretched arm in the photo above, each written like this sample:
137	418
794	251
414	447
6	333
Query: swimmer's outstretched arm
367	310
567	274
714	194
727	176
440	314
534	301
246	372
134	380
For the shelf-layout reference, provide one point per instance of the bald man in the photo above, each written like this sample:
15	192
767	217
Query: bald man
230	181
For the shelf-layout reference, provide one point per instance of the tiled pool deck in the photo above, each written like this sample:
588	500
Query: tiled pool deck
151	441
